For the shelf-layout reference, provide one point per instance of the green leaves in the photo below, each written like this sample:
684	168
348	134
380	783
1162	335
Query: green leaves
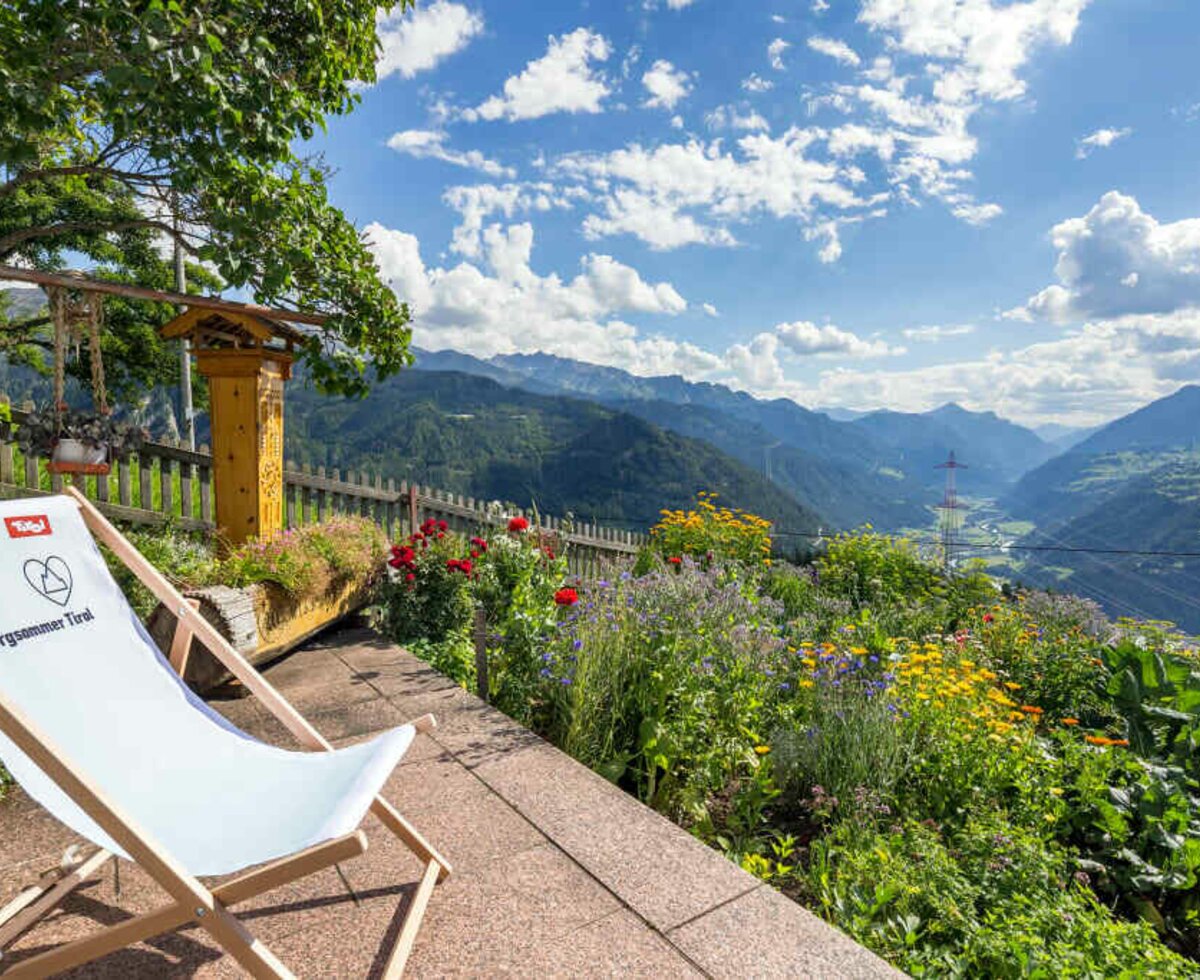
205	100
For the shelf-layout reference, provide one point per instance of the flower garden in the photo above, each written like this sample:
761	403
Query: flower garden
968	781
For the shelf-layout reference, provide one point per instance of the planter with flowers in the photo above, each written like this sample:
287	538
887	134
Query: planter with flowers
268	596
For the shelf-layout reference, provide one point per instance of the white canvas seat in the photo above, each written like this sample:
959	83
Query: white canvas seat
86	683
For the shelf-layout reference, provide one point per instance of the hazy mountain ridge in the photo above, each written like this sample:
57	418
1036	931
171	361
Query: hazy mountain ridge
474	436
1133	485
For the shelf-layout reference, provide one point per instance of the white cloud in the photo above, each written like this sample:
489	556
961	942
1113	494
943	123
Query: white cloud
658	224
1118	260
730	117
943	61
805	338
980	45
679	4
1100	371
709	309
416	40
756	364
1100	139
562	80
977	214
666	85
677	122
820	6
425	143
839	51
476	202
775	53
501	305
936	332
653	192
756	83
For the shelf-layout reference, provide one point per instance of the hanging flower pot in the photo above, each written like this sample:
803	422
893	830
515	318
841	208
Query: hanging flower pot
78	442
77	452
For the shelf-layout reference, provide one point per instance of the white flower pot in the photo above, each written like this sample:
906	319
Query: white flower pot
78	452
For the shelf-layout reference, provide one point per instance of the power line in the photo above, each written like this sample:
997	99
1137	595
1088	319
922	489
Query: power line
1007	547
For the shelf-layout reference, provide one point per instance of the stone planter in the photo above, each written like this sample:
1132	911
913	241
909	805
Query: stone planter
262	622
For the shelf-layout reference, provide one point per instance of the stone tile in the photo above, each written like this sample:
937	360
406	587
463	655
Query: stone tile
395	671
660	870
619	945
764	934
343	721
30	835
307	667
422	749
469	825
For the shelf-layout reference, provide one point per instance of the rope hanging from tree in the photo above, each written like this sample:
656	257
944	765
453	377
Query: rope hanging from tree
76	314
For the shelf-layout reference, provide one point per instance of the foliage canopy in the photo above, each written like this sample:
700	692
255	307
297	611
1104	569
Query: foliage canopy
121	123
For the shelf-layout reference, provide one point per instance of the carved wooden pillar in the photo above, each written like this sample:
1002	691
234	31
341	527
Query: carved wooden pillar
246	407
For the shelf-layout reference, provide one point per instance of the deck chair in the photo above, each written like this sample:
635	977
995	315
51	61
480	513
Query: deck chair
98	728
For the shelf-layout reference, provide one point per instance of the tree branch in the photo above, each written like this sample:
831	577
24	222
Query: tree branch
9	243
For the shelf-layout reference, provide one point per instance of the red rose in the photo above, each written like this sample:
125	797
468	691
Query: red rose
566	597
443	526
674	560
453	563
441	534
548	553
474	552
409	577
404	555
395	563
518	524
465	566
479	543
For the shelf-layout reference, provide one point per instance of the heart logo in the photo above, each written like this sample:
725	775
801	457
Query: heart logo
50	578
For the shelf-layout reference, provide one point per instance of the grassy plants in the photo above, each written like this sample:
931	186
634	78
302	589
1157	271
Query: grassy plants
971	784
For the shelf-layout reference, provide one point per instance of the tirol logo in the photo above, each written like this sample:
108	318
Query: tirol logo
27	527
50	578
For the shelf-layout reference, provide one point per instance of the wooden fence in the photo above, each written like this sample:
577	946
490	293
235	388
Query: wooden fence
169	483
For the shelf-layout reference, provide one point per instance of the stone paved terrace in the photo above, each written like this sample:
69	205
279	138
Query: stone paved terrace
557	872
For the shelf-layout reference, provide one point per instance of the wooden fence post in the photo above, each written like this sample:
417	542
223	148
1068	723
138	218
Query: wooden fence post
413	508
481	658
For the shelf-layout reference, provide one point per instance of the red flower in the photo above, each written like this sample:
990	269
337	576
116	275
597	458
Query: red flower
405	555
518	524
479	543
465	566
674	560
548	553
440	535
566	597
453	563
988	617
474	552
395	563
443	526
409	577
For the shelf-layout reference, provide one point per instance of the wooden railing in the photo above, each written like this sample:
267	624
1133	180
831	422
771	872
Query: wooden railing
167	483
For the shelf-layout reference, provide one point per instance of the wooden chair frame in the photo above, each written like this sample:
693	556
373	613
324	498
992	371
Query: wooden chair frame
193	901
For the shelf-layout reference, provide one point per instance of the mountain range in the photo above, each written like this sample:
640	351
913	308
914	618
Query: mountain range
1131	486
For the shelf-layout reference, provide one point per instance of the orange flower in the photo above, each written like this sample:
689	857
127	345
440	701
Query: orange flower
1070	721
1030	709
1104	740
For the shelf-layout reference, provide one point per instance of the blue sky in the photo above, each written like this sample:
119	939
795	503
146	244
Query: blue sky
860	203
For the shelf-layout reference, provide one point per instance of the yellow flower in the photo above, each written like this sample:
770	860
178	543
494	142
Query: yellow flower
762	749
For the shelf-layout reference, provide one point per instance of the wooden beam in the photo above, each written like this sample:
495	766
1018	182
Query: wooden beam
75	280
